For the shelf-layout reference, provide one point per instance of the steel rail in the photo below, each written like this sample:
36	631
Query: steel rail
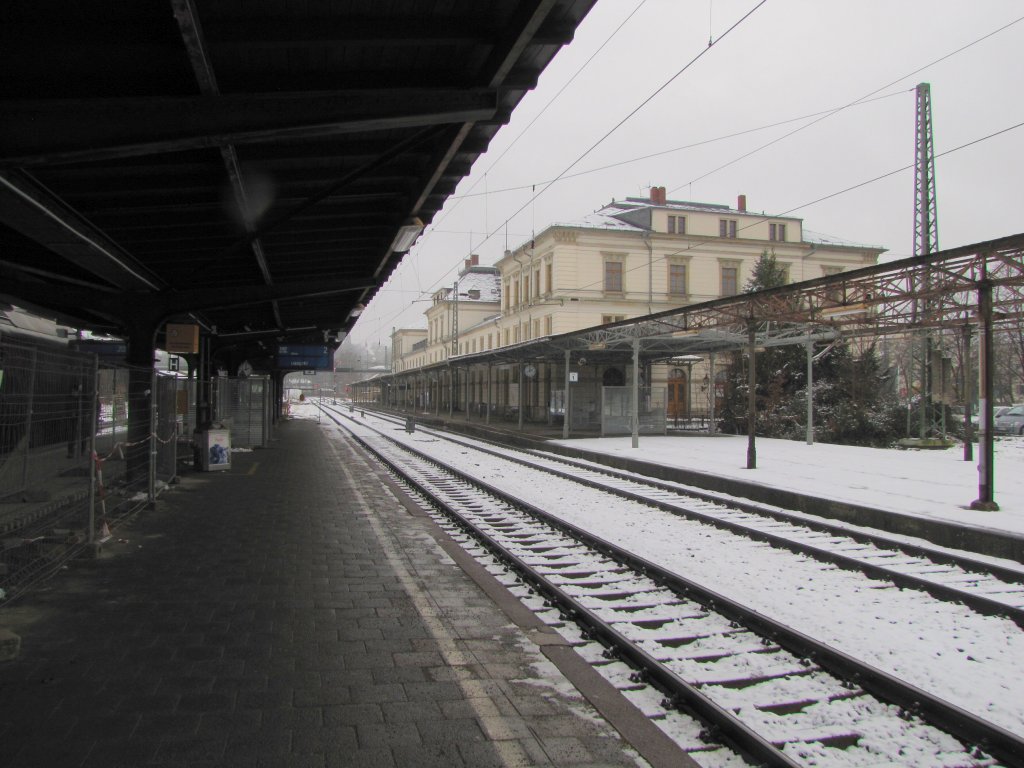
980	603
964	725
721	723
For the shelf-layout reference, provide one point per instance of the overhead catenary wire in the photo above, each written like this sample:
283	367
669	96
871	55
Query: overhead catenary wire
544	109
692	145
767	217
825	113
862	99
612	130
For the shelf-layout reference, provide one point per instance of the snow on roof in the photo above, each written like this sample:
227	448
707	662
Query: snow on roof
811	236
643	202
479	284
599	220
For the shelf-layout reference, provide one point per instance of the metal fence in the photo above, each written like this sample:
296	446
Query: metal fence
48	418
617	411
248	410
70	467
68	470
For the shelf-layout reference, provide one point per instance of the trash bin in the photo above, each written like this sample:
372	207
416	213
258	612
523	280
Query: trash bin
215	445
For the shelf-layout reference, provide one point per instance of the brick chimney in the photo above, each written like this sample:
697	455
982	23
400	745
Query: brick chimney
657	195
741	204
474	259
467	264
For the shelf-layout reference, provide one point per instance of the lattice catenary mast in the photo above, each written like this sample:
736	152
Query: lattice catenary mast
926	220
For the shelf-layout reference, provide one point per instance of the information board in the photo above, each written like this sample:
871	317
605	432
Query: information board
305	357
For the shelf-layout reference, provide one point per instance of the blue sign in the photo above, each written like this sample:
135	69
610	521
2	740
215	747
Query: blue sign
316	357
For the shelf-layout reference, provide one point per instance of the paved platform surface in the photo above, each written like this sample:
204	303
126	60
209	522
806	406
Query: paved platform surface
288	612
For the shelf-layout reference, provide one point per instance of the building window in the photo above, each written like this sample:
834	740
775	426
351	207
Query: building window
829	271
536	283
536	329
677	279
605	319
550	281
613	277
526	288
777	232
677	225
730	281
727	228
547	325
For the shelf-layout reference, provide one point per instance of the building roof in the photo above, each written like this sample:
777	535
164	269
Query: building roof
478	284
632	203
599	220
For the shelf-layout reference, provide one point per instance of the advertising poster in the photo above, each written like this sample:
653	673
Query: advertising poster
218	450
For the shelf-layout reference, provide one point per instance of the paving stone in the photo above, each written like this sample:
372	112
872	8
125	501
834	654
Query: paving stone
276	618
353	714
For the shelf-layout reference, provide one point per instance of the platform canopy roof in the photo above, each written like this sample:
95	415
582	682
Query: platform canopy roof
247	166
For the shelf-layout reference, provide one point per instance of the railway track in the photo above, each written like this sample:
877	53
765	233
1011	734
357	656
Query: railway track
772	694
987	588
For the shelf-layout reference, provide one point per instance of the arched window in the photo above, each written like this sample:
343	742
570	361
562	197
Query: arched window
613	377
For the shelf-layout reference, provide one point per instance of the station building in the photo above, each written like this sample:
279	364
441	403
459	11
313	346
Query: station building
628	259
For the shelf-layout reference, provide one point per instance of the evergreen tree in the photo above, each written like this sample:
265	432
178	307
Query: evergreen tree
780	370
853	400
767	273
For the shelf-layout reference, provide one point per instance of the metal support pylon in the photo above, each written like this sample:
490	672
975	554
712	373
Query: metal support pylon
926	240
926	221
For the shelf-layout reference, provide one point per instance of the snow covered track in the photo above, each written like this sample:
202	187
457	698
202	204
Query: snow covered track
986	588
778	696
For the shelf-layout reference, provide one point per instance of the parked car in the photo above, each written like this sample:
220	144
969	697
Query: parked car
956	413
1011	422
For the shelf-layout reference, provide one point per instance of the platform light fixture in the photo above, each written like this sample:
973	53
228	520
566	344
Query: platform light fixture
406	236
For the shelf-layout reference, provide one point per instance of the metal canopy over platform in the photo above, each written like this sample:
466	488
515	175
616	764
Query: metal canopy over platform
249	167
977	286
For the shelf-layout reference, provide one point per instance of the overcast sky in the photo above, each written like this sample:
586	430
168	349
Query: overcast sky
789	59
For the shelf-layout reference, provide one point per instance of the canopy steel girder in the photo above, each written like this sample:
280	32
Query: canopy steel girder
195	46
78	130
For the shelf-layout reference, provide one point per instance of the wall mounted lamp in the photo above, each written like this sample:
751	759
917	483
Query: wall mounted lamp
407	234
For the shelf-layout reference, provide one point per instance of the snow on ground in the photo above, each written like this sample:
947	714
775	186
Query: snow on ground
964	657
945	648
928	483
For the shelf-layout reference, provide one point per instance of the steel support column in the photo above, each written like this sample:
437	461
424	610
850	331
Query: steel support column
751	397
968	390
986	447
712	395
634	416
565	400
810	392
522	398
